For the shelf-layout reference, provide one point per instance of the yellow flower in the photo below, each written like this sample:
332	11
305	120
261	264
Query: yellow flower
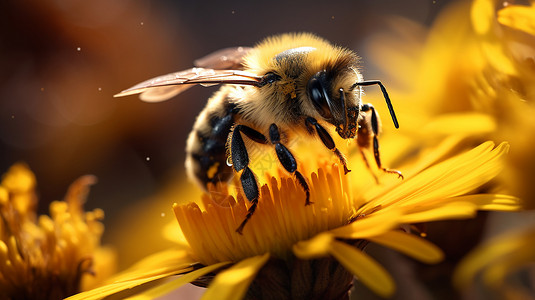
48	257
290	250
477	59
502	262
519	17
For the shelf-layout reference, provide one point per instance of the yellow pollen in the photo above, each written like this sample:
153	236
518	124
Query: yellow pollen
289	89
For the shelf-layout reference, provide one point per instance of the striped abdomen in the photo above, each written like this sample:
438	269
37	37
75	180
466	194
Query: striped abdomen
206	154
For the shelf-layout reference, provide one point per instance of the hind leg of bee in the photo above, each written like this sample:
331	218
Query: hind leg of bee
287	160
240	162
313	125
371	128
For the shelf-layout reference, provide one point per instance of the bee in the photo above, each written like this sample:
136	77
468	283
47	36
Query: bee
288	84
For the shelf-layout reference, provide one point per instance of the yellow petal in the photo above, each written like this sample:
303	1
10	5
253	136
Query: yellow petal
234	282
482	14
455	176
368	226
492	251
462	207
496	56
484	23
315	247
176	283
493	202
495	273
518	17
435	154
517	255
367	270
159	265
411	245
454	210
113	288
463	123
164	261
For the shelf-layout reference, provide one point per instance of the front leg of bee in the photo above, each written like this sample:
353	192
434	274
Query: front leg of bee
287	160
369	129
313	125
240	162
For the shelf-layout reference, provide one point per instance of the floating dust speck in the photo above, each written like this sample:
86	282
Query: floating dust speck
78	49
162	214
147	158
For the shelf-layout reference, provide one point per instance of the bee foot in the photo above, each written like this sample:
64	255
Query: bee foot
394	172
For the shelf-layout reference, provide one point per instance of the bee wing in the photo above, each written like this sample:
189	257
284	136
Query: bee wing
224	59
162	88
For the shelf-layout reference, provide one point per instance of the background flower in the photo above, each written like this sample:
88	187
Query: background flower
475	61
48	257
502	267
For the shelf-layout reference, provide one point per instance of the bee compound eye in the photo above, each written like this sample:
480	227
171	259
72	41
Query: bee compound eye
317	92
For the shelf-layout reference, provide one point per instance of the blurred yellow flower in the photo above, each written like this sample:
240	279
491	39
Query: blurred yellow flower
48	257
477	59
518	17
505	264
286	248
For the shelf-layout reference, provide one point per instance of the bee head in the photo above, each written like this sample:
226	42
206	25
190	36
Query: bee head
333	105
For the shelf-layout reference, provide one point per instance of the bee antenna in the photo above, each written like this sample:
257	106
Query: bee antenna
385	94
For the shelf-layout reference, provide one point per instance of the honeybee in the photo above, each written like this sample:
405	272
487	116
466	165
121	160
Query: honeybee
287	84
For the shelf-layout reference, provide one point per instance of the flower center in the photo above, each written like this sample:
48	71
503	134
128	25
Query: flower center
281	219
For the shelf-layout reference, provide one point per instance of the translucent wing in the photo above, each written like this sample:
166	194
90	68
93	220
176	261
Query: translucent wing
162	88
224	59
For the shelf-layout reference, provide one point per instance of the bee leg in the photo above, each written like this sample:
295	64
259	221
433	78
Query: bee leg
240	161
288	160
365	159
250	187
313	125
364	134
